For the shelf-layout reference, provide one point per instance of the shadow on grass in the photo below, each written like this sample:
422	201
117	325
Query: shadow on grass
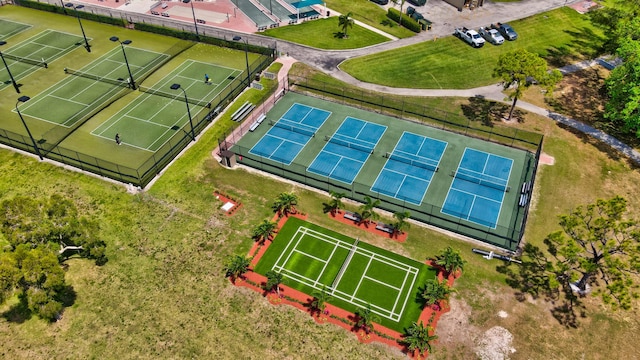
532	278
487	112
20	312
585	43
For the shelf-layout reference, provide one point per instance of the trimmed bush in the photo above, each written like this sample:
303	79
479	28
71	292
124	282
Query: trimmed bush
407	21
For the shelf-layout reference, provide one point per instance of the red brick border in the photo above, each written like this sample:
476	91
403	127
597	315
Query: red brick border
225	199
334	315
337	216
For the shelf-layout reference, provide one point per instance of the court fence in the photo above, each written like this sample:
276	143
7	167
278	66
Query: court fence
142	175
505	237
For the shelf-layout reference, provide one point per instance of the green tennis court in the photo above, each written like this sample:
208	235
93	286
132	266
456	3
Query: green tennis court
9	28
154	117
354	274
76	97
36	53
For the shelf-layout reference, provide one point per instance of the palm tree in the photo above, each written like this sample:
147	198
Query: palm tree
450	260
365	318
274	279
418	337
401	224
264	231
236	266
336	202
436	291
401	3
320	299
366	212
345	21
285	204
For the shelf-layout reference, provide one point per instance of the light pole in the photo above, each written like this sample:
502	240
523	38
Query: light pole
86	42
195	23
186	101
122	44
35	146
246	56
13	81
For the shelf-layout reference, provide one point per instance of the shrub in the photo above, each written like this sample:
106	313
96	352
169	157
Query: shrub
407	21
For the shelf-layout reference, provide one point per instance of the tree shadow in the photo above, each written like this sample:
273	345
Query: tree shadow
532	278
487	112
326	208
18	312
339	35
388	22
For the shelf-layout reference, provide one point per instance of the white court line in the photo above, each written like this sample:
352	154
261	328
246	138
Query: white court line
69	100
383	283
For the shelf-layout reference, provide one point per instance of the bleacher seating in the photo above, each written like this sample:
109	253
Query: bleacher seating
243	111
257	123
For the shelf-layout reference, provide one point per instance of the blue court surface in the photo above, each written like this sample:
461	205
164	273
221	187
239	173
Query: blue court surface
410	167
347	150
478	187
288	136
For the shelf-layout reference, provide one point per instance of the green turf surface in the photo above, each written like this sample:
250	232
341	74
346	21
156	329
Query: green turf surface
311	257
561	36
45	47
325	34
440	183
9	28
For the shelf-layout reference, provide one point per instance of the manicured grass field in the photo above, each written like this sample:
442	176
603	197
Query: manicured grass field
370	14
561	36
325	34
354	273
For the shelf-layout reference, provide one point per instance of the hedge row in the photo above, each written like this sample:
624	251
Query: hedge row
407	21
82	14
185	35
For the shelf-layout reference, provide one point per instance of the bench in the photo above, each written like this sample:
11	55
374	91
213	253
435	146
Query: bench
241	112
384	227
246	112
352	216
257	123
165	14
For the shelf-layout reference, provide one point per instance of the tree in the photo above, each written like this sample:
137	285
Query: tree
274	279
336	202
320	299
400	224
285	203
596	241
365	318
345	22
623	87
236	266
419	337
436	291
366	212
264	231
401	3
25	220
450	260
518	69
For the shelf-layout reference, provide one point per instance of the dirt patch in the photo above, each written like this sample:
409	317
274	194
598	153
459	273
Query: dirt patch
495	344
582	95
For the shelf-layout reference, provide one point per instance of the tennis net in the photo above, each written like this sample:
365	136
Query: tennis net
176	96
26	61
348	144
413	162
118	82
477	180
291	128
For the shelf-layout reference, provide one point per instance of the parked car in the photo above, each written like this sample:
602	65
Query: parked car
491	35
381	2
470	36
506	30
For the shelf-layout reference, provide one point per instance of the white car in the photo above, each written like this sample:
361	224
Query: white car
491	35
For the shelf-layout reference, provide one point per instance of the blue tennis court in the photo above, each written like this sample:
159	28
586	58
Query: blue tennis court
478	187
409	168
347	150
289	135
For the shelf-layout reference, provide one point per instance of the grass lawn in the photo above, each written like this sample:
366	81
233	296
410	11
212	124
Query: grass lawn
561	36
370	14
162	294
326	34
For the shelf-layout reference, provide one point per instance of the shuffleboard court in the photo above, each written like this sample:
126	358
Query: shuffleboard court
353	273
36	53
8	28
159	112
347	149
289	135
410	167
479	187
